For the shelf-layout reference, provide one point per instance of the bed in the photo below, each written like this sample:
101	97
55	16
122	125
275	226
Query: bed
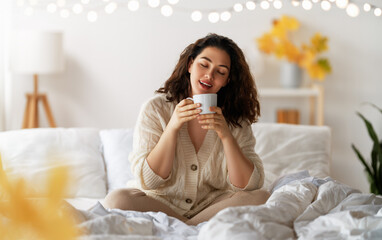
305	202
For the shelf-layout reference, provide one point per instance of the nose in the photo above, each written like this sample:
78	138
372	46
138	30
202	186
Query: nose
208	75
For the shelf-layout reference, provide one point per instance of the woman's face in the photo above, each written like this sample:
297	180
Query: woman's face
209	71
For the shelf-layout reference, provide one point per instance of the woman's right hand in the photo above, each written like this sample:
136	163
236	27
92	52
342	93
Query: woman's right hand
184	111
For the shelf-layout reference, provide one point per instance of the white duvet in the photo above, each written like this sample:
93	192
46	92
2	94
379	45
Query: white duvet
309	208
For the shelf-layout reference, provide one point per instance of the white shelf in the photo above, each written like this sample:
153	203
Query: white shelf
315	96
283	92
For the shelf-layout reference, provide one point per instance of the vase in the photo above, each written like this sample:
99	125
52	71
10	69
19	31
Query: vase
290	75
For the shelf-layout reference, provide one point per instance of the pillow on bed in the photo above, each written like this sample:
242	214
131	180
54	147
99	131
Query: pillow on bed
117	145
287	148
31	153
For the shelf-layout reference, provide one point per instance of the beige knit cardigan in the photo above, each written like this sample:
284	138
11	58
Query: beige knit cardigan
197	178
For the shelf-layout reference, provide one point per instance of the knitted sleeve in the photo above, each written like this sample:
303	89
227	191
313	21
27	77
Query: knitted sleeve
246	141
150	125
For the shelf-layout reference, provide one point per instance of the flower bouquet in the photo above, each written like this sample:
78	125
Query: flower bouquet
277	41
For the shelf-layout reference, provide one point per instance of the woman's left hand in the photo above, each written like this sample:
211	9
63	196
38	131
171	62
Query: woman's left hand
215	121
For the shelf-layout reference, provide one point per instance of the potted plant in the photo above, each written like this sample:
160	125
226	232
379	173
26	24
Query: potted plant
374	168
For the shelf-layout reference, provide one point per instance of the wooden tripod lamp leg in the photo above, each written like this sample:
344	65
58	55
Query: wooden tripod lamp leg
26	112
48	110
33	114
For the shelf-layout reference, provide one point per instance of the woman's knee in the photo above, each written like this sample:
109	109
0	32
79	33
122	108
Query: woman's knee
256	197
123	198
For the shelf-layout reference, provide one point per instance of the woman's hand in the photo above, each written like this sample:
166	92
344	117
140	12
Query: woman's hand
184	112
215	121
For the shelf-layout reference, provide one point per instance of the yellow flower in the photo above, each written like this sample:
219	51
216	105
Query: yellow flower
282	26
266	43
316	71
277	42
319	43
23	218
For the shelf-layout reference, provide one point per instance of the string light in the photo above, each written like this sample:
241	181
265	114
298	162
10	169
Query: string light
225	16
264	4
277	4
307	5
325	5
166	10
153	3
251	5
367	7
377	12
196	16
238	7
133	5
93	8
352	10
110	7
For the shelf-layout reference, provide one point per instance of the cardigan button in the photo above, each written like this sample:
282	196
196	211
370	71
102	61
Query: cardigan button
188	201
194	167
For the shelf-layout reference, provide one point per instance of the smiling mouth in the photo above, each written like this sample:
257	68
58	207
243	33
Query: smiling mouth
205	84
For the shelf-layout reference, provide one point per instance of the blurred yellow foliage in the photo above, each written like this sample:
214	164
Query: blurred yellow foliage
277	42
23	218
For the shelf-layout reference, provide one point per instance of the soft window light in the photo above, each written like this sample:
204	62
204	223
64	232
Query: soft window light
250	5
133	5
325	5
85	1
238	7
196	16
225	16
213	17
166	10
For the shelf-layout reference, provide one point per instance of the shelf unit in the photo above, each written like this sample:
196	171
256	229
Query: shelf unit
315	94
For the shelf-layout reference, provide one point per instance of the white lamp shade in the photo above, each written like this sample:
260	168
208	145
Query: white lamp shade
37	52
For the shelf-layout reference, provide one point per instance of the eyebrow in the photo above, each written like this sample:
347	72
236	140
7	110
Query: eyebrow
222	65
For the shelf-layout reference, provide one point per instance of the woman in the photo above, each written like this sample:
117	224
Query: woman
191	166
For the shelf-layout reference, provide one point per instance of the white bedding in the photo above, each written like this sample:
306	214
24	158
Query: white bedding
308	208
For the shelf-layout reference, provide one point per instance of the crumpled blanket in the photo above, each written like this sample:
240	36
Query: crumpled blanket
101	223
302	210
309	208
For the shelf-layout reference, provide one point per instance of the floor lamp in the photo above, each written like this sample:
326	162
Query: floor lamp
37	53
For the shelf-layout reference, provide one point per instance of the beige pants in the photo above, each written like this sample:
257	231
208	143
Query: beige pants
136	200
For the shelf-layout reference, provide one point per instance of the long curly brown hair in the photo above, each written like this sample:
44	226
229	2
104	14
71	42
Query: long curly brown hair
238	99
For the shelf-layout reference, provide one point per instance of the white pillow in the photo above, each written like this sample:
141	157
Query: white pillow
31	153
117	145
287	148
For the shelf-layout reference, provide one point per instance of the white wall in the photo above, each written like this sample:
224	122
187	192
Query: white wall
115	64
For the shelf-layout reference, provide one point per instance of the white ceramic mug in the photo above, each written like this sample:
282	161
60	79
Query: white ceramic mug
206	101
